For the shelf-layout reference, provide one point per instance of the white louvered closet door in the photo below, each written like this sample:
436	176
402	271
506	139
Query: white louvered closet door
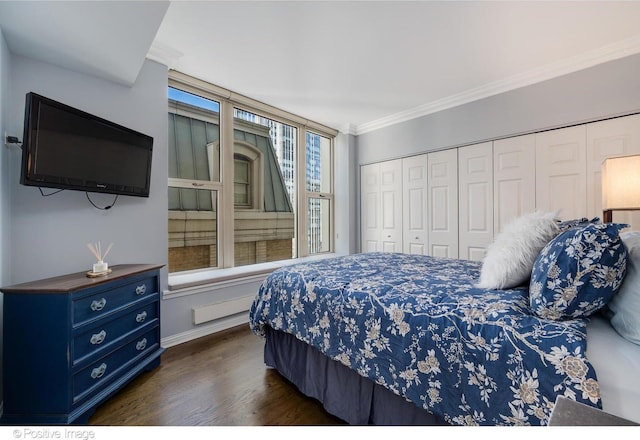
475	197
415	218
610	138
514	179
561	172
443	203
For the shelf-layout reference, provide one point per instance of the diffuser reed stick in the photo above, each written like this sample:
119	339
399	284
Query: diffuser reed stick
107	251
96	250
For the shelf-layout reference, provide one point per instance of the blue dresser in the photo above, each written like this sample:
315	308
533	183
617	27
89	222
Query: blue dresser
70	342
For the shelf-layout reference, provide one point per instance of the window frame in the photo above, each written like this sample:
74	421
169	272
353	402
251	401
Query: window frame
228	100
322	195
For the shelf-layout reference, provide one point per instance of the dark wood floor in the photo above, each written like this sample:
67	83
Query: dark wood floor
217	380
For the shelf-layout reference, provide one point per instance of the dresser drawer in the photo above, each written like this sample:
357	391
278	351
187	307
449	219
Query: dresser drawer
113	365
101	303
107	332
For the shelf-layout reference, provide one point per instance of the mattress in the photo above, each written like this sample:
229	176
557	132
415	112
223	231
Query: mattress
617	363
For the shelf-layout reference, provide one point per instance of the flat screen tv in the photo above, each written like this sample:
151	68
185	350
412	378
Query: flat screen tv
67	148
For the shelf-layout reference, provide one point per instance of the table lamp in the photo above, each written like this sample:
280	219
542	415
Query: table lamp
620	185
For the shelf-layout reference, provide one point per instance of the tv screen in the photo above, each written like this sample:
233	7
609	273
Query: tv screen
67	148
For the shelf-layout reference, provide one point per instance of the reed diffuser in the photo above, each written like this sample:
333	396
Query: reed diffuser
101	267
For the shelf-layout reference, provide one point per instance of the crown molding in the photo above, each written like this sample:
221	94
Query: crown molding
351	129
164	54
624	48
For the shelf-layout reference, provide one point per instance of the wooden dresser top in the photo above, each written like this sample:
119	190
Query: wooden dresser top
77	281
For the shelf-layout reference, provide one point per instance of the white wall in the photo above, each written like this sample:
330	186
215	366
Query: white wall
49	234
345	194
5	108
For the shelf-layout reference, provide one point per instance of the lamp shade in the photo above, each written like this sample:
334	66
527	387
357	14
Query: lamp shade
621	183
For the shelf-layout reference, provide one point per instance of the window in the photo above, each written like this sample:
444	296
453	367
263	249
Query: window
194	181
241	182
246	180
319	192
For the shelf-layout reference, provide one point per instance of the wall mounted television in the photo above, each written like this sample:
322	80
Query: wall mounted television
67	148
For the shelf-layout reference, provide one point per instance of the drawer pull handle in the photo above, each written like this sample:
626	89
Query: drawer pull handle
140	317
141	344
98	372
141	290
97	305
98	338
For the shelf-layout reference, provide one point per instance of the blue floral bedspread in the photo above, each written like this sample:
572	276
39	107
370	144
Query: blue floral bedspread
417	325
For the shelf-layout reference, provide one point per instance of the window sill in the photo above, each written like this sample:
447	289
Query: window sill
193	282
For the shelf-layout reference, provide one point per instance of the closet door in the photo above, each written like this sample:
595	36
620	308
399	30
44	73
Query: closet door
381	206
475	200
610	138
514	179
391	205
415	231
443	203
561	172
370	208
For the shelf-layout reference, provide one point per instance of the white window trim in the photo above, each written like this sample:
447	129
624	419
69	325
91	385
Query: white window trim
202	88
197	281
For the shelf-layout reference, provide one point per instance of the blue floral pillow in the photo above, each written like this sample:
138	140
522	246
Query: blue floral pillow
578	272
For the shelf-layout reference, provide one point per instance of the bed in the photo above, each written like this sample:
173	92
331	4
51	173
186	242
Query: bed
399	339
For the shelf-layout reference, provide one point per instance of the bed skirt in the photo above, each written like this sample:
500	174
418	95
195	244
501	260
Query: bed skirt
343	392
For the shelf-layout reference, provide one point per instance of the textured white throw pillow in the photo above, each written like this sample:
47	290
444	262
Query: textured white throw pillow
510	257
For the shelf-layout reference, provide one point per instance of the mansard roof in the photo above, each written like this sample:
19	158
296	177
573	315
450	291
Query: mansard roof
190	132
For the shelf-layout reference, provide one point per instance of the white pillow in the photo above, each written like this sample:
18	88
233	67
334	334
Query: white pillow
624	307
510	257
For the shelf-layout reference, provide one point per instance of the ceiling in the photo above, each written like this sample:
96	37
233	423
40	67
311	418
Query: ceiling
352	65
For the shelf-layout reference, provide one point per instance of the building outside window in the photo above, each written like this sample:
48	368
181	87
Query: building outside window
278	192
